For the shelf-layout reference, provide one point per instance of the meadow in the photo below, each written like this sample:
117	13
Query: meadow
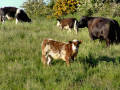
96	66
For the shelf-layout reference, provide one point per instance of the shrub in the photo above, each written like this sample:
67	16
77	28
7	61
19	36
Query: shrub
64	7
88	8
37	8
104	8
117	11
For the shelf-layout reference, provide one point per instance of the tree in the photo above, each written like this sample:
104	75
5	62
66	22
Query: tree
36	8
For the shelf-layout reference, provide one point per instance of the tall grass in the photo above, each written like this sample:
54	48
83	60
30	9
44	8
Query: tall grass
95	68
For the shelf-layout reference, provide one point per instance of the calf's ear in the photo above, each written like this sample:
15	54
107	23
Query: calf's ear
70	42
80	41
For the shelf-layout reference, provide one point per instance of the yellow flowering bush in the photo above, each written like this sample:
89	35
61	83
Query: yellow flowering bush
63	7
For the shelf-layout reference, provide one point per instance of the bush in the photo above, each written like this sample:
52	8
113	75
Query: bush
88	8
37	8
59	8
64	7
117	11
108	8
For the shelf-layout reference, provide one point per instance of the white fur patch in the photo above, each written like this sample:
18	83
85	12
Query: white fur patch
50	39
49	60
74	47
8	17
66	27
75	26
18	11
54	54
75	40
63	54
16	20
58	24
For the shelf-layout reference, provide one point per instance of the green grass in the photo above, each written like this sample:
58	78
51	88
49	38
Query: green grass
95	68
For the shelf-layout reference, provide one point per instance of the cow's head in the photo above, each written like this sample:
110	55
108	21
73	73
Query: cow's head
83	22
24	16
27	19
75	44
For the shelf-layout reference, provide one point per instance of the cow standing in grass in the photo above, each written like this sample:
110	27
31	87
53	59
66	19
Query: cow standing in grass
101	28
68	23
52	49
13	12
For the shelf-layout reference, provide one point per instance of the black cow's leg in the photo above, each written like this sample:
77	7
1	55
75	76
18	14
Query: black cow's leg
100	40
91	36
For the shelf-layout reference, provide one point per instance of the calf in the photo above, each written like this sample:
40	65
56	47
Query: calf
101	28
68	23
13	12
58	50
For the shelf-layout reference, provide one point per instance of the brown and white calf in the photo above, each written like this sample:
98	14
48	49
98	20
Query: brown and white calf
68	23
52	49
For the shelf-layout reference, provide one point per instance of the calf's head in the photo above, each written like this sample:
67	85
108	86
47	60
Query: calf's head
75	45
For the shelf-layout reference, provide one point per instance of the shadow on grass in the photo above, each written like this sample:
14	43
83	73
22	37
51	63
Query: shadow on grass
91	61
58	62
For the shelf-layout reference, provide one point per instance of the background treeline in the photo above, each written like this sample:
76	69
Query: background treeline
61	8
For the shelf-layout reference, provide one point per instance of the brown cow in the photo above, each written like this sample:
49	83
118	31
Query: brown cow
101	28
52	49
68	23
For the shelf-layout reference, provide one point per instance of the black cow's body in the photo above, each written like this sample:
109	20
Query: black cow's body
13	12
101	28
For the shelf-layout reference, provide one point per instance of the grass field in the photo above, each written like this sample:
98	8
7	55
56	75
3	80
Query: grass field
95	68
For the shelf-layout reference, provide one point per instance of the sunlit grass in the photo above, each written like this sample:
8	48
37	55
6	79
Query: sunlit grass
96	67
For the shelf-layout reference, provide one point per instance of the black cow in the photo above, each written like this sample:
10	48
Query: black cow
13	12
101	28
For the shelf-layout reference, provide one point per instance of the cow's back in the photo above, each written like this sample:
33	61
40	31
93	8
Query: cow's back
53	49
54	45
99	26
68	21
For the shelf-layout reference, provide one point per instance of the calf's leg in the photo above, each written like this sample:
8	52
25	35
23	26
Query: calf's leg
49	60
67	60
44	59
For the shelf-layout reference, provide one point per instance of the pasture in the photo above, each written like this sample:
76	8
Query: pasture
95	68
